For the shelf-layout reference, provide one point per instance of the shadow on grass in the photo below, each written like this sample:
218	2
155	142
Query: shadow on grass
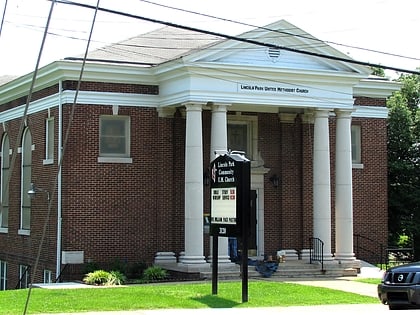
213	301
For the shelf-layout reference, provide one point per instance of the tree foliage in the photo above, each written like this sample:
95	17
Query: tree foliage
404	161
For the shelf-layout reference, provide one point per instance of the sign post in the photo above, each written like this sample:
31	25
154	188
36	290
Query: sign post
230	208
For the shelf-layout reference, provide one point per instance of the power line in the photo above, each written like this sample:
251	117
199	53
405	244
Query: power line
23	123
245	40
4	14
278	31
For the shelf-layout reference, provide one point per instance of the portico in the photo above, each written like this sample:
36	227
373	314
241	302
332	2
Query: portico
322	208
312	95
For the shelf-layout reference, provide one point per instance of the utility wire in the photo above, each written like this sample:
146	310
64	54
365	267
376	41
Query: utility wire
4	14
276	31
240	39
63	149
23	123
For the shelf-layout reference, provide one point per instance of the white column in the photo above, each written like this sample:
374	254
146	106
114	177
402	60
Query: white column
194	249
219	142
321	181
343	188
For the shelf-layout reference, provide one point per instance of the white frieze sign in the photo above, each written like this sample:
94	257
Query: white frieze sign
272	88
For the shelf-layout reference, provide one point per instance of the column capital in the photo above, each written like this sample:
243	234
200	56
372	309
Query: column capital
343	113
193	106
322	112
287	117
166	112
219	107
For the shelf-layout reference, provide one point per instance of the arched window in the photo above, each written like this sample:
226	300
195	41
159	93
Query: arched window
4	182
26	176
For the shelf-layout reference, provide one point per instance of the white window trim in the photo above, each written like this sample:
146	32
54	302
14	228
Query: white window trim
102	159
48	276
48	160
24	232
252	122
359	147
3	273
4	229
21	230
23	269
117	158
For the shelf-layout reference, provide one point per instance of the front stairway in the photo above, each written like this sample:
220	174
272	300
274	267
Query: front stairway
293	269
285	270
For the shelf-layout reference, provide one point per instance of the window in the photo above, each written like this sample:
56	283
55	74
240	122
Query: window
24	276
3	275
242	135
4	182
26	175
238	137
114	138
49	140
356	146
47	276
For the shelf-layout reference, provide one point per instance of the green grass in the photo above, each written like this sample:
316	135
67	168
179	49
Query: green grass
369	280
185	295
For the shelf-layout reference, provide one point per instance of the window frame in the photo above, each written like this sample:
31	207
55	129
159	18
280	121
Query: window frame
252	133
115	157
48	276
24	270
49	140
4	183
3	275
356	146
26	178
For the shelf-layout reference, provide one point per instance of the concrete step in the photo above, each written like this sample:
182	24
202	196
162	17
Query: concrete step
290	270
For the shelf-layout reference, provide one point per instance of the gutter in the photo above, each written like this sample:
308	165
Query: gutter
59	179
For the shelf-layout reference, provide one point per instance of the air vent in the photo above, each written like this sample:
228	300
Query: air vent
274	53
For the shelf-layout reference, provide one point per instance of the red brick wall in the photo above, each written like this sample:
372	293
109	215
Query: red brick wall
18	249
129	212
370	187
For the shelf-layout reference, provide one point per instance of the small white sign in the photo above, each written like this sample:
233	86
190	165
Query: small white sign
72	257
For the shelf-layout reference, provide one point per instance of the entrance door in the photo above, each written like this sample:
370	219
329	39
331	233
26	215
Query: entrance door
252	241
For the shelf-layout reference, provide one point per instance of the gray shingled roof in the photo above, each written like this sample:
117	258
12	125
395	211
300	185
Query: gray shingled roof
155	47
6	78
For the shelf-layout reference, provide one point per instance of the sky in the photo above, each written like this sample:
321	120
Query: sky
386	31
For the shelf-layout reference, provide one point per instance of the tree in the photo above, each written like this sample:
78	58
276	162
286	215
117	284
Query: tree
404	162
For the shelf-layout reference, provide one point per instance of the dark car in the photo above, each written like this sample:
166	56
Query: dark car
400	287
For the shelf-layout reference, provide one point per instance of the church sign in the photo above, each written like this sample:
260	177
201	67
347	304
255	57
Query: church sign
230	186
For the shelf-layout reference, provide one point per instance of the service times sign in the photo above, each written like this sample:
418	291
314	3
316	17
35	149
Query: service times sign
229	189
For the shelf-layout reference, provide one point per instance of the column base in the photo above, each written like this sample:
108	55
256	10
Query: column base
344	256
165	258
328	257
220	260
192	260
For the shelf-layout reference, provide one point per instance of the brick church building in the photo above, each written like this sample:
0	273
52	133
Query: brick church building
121	172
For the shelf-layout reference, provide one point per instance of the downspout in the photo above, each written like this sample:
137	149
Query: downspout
59	203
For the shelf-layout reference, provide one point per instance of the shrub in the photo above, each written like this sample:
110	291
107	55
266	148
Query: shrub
102	277
98	277
116	278
154	273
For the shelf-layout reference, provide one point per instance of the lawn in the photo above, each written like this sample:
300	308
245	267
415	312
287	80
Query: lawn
369	280
185	295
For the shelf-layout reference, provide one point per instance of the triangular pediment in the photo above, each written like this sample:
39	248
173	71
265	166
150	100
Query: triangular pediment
293	49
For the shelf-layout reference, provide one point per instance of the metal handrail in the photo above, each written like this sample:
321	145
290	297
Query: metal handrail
316	251
372	256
